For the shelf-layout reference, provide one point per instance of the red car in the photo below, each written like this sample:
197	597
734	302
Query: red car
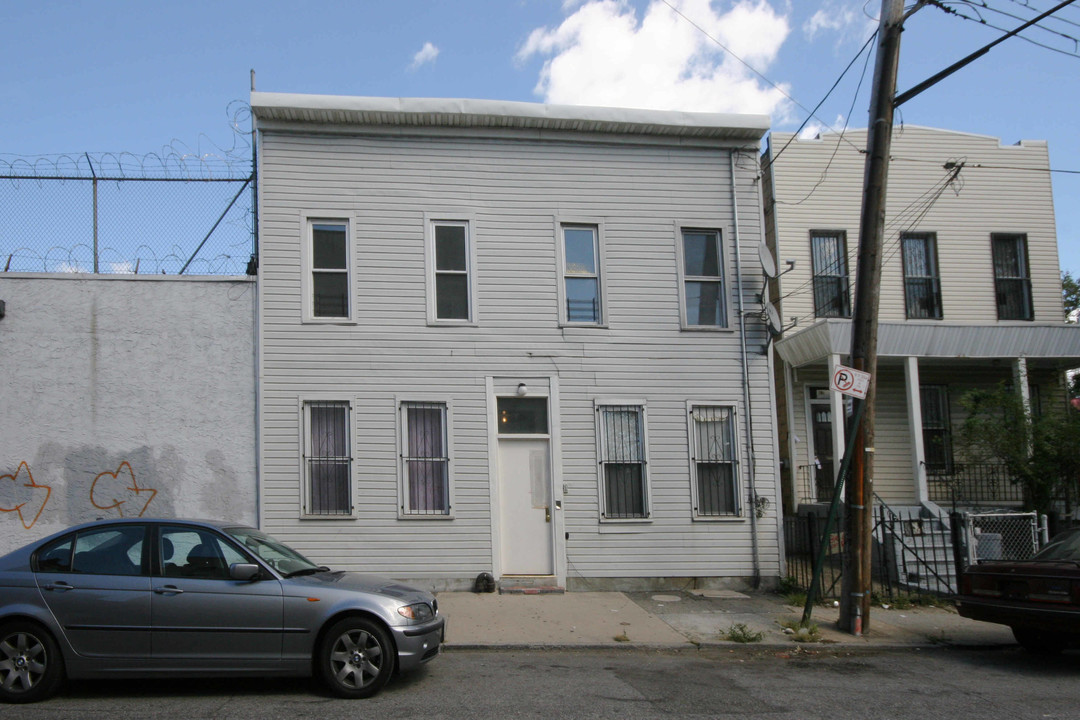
1038	598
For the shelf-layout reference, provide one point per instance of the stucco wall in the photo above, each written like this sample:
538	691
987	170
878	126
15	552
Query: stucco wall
124	396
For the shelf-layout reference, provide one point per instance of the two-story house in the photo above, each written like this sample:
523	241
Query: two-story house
970	298
514	338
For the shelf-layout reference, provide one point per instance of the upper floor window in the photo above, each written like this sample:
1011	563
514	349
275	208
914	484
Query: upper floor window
703	279
623	477
327	458
581	274
451	275
1012	281
922	285
713	456
832	291
425	459
328	260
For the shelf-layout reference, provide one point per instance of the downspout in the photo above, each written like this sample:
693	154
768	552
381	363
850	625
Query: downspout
746	377
253	269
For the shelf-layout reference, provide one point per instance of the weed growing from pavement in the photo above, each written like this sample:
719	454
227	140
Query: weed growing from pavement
739	633
800	632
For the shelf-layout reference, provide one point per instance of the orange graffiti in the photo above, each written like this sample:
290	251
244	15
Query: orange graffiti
114	487
28	482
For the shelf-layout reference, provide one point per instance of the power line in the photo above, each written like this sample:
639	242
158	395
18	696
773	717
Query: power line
847	117
747	65
944	6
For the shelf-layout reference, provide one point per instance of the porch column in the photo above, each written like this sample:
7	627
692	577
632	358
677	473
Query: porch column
914	413
839	418
793	452
1020	381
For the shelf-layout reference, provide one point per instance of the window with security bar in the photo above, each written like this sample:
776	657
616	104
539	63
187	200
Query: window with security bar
922	285
327	458
1012	281
714	461
623	466
832	290
425	461
936	429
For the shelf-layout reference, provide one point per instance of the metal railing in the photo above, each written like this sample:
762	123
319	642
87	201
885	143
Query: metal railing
973	484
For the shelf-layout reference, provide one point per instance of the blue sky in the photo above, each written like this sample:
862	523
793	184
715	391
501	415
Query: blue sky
141	77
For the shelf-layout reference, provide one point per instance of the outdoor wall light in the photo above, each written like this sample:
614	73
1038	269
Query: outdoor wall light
522	389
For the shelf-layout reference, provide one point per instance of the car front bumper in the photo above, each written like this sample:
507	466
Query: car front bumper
417	644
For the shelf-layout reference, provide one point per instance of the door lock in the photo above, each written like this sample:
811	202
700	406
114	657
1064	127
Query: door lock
547	514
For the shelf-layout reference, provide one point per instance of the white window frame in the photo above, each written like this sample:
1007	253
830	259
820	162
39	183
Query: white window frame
405	512
308	220
680	256
597	226
601	455
305	403
736	471
431	221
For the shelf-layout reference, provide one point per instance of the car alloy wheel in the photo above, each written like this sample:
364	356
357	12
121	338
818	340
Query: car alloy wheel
30	663
356	658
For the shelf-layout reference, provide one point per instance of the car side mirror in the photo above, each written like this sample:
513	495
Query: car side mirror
248	572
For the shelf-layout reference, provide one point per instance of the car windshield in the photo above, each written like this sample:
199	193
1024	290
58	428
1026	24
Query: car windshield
1065	546
275	553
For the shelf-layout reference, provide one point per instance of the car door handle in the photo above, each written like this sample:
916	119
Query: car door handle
59	585
168	590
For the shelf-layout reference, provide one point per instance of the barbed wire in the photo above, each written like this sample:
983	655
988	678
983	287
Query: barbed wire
175	161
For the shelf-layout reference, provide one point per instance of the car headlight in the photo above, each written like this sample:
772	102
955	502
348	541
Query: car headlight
420	612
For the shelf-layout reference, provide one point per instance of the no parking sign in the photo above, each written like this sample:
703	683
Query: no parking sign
850	381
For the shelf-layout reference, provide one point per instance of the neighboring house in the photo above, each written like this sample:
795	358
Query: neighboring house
970	297
516	339
124	396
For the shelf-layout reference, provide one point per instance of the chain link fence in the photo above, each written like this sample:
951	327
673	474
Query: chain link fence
125	225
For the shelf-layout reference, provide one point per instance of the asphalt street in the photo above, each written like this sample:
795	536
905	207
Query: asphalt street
744	682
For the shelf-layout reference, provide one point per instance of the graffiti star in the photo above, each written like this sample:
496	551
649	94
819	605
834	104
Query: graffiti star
24	509
113	485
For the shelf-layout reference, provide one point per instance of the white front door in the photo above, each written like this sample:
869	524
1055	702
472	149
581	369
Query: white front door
525	506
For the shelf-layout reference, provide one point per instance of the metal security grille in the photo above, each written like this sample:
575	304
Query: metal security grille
832	295
1012	283
622	461
425	462
328	459
714	460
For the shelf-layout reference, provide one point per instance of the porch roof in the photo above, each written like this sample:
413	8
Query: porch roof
1058	342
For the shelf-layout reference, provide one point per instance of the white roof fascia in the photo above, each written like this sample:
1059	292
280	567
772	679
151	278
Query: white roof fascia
442	112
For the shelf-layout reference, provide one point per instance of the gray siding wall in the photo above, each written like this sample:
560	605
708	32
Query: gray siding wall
514	188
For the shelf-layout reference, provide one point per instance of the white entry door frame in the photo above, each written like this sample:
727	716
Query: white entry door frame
516	465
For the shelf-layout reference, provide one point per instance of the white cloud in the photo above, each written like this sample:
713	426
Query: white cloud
425	55
846	19
602	55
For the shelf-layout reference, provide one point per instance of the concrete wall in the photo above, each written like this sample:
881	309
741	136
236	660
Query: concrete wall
124	396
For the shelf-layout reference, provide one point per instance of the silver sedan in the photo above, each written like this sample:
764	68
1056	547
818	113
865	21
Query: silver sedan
163	598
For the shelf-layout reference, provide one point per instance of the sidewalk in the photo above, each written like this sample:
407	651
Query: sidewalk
687	619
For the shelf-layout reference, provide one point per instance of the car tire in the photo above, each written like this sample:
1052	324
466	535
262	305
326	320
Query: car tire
355	658
31	667
1039	641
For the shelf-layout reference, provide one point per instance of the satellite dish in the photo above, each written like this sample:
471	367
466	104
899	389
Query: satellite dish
772	320
768	264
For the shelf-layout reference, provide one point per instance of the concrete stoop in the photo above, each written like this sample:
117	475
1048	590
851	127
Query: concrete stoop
530	585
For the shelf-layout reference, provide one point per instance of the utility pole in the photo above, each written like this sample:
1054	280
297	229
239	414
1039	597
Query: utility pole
855	587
